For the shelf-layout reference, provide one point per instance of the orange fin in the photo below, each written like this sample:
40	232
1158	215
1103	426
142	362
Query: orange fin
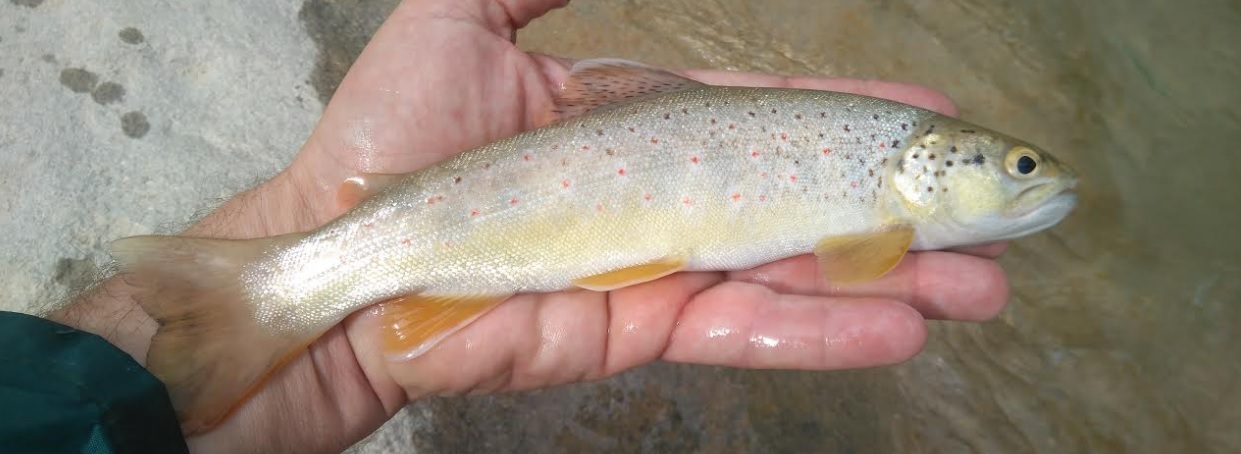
598	83
414	324
210	351
633	275
357	189
852	259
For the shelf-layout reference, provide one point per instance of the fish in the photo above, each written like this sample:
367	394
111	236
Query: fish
646	173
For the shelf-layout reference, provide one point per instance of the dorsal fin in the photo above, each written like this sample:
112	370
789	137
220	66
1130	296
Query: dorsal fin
598	83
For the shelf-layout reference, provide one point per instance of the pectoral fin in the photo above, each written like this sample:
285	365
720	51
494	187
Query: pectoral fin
633	275
858	258
356	189
414	324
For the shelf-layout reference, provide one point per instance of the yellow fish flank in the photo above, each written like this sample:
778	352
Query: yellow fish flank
646	175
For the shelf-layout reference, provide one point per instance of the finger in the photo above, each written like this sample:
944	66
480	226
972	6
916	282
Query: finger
939	285
556	71
746	325
502	17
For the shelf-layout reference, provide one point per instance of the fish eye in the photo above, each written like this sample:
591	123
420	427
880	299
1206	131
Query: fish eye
1022	162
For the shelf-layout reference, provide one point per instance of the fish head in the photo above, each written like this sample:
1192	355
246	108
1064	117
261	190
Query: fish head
965	185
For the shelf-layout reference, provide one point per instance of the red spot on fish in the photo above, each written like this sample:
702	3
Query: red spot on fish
526	157
439	198
686	200
762	198
736	196
784	137
474	212
368	225
406	242
654	140
564	184
556	147
512	201
621	172
430	200
764	174
883	145
853	184
585	147
827	151
754	154
732	126
793	178
598	207
448	244
647	197
693	159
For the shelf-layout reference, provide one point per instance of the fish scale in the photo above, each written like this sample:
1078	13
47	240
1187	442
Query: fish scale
647	174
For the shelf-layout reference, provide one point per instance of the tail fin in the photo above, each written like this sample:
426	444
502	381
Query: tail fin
209	350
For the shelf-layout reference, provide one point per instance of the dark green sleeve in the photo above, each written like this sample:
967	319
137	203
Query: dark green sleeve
64	390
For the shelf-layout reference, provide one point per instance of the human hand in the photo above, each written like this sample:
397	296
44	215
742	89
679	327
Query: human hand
443	76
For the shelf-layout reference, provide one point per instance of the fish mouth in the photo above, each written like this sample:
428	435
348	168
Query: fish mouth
1045	203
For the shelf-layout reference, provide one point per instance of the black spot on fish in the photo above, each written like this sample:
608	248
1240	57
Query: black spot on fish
896	143
456	180
773	110
821	135
875	116
847	129
667	116
953	149
915	156
750	113
930	189
978	159
968	131
796	162
685	111
797	117
929	130
706	104
931	157
822	114
900	165
904	126
598	132
949	163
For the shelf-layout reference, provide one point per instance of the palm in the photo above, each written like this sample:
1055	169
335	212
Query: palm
439	79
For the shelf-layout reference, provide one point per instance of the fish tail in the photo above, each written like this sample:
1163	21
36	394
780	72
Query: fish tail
210	351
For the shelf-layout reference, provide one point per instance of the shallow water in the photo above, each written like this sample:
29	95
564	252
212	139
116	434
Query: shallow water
1125	319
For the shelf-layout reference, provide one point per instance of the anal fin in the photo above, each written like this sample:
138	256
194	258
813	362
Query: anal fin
633	275
852	259
414	324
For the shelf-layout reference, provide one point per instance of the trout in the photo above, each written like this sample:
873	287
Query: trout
646	174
